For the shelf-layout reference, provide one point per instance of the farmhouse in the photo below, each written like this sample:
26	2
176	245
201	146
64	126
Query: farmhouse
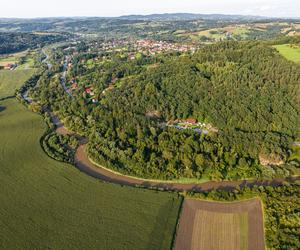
191	121
8	65
89	91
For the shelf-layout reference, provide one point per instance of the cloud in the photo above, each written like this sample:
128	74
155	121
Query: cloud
266	7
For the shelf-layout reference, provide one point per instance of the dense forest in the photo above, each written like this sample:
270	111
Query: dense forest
251	100
11	42
281	211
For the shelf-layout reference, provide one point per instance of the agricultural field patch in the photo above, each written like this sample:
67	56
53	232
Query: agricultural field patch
289	51
10	80
220	33
46	204
217	225
15	59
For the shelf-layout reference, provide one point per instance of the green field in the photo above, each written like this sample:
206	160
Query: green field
28	64
50	205
13	57
289	52
10	80
8	59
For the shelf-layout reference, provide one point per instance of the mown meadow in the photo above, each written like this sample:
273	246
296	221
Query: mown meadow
50	205
289	51
10	80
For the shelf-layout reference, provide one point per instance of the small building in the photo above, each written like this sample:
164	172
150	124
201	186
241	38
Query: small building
74	86
73	80
9	66
191	121
88	90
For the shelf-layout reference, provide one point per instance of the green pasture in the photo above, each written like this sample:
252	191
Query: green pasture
290	52
8	59
50	205
10	80
28	64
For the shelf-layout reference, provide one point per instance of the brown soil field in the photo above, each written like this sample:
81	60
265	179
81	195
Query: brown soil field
213	225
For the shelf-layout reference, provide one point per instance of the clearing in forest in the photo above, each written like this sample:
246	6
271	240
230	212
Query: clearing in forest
218	225
289	51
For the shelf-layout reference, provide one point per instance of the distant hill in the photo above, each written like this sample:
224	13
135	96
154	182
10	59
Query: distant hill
190	16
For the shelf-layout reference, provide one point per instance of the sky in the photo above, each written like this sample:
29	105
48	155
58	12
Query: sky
106	8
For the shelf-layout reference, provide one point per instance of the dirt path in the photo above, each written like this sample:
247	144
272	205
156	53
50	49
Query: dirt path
83	163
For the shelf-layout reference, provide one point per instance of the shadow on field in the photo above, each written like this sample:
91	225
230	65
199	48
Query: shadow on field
7	97
161	223
2	108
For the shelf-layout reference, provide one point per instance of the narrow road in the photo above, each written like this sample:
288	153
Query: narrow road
63	77
49	65
46	60
83	163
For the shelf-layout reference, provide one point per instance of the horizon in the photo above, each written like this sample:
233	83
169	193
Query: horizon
34	9
146	15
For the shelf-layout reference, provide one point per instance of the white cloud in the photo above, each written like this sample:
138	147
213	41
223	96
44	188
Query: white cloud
265	7
36	8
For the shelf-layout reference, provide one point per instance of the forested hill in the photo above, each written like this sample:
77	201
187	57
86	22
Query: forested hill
191	16
11	42
246	91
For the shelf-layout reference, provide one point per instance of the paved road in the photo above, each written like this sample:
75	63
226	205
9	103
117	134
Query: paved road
63	77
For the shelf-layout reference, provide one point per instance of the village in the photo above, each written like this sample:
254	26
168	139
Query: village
144	46
103	51
154	47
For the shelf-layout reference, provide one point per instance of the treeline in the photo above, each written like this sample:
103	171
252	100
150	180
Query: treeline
245	89
12	42
281	211
60	147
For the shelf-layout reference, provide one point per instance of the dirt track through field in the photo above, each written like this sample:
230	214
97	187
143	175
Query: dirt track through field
83	163
194	210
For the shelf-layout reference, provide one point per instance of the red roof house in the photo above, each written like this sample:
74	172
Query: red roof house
191	121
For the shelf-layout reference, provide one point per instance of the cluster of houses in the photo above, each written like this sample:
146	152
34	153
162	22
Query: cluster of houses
107	45
145	46
90	93
192	124
154	47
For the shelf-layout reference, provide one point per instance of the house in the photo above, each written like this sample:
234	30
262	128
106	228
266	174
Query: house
191	121
74	86
89	91
9	66
73	80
